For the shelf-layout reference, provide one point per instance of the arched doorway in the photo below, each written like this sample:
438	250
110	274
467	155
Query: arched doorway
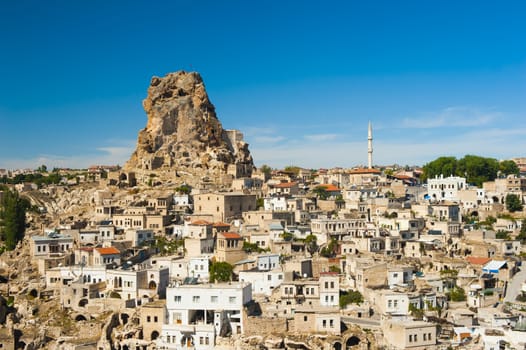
83	302
80	318
337	346
152	285
124	318
154	335
352	341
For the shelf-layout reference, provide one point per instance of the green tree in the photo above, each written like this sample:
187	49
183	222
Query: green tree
220	271
513	202
330	250
265	169
457	294
321	192
501	234
350	297
260	203
42	169
311	244
441	166
508	167
287	236
183	189
13	218
293	169
477	169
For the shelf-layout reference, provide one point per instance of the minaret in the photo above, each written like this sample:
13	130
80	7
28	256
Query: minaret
370	146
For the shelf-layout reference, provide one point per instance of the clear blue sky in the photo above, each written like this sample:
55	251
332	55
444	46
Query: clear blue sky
301	79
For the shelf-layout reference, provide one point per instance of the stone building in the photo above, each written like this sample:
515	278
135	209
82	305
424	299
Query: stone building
224	206
229	247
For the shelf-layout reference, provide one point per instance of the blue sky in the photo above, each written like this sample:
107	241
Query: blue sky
301	79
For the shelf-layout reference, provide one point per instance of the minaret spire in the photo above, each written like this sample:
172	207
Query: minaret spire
370	146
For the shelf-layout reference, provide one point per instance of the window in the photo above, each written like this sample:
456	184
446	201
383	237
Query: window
389	303
269	277
148	319
429	336
177	298
415	337
410	338
395	303
231	300
324	323
305	318
326	284
332	284
213	299
331	323
155	319
196	298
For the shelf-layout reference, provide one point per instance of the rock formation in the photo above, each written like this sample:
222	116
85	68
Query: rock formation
183	137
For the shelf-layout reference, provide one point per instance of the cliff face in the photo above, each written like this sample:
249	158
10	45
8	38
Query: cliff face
183	133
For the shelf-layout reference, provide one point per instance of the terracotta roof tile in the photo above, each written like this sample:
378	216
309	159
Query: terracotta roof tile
230	235
475	260
108	251
201	223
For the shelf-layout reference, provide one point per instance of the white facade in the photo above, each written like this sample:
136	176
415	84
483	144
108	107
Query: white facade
199	267
181	199
399	276
199	313
263	282
106	233
52	243
275	204
394	303
329	289
139	236
268	262
441	188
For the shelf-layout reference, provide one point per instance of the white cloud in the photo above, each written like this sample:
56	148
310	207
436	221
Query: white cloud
107	155
452	117
268	139
321	137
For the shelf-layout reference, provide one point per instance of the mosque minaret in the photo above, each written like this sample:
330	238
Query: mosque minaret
370	146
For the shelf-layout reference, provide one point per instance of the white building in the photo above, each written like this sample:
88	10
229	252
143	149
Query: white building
106	233
329	289
50	244
441	188
267	262
400	276
200	312
137	237
263	282
275	203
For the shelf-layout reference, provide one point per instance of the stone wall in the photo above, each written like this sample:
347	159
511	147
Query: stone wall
264	325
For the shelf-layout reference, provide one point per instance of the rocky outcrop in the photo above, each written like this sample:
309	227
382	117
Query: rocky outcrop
183	136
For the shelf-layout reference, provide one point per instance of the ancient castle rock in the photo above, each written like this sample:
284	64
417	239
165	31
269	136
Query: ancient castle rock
183	136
